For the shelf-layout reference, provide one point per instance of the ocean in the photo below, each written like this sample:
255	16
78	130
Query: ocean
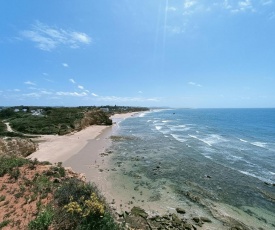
201	158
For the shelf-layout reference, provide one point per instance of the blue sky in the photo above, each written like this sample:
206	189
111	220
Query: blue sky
178	53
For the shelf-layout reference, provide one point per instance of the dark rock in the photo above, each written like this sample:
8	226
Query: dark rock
206	220
187	226
166	217
137	211
136	222
196	219
180	210
176	221
56	180
120	214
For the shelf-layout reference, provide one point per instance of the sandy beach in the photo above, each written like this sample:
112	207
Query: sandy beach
85	151
54	148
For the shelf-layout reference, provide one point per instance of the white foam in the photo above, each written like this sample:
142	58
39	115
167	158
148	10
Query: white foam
204	141
166	121
178	138
209	140
242	140
259	144
158	127
179	128
236	157
208	157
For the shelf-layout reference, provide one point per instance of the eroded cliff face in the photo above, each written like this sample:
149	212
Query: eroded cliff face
17	146
95	117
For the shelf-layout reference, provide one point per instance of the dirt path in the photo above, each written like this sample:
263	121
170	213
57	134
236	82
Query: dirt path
9	129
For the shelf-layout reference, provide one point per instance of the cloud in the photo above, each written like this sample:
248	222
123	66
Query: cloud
194	84
244	5
17	90
189	3
140	91
65	65
46	92
93	94
49	38
49	80
33	95
74	94
80	87
171	8
127	99
72	80
29	83
266	2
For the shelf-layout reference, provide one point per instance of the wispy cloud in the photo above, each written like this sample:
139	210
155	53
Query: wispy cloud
48	38
32	95
243	6
65	65
46	92
171	8
93	94
126	99
80	87
29	83
194	84
74	94
49	80
72	81
266	2
17	90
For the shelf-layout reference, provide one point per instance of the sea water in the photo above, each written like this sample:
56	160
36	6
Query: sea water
219	155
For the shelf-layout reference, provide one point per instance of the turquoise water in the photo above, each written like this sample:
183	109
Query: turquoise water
224	155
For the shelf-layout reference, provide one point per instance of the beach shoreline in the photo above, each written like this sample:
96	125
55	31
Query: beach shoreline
55	148
89	152
84	151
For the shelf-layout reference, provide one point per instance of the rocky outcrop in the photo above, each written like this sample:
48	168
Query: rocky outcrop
17	146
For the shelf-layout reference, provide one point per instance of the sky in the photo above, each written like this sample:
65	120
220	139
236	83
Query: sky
177	53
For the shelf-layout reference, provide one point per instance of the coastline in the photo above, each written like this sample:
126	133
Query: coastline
88	152
54	148
82	151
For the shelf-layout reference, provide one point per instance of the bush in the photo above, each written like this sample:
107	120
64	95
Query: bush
79	206
43	220
8	163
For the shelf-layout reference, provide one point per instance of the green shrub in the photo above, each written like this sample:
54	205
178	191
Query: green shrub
79	206
8	163
43	220
4	223
42	185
